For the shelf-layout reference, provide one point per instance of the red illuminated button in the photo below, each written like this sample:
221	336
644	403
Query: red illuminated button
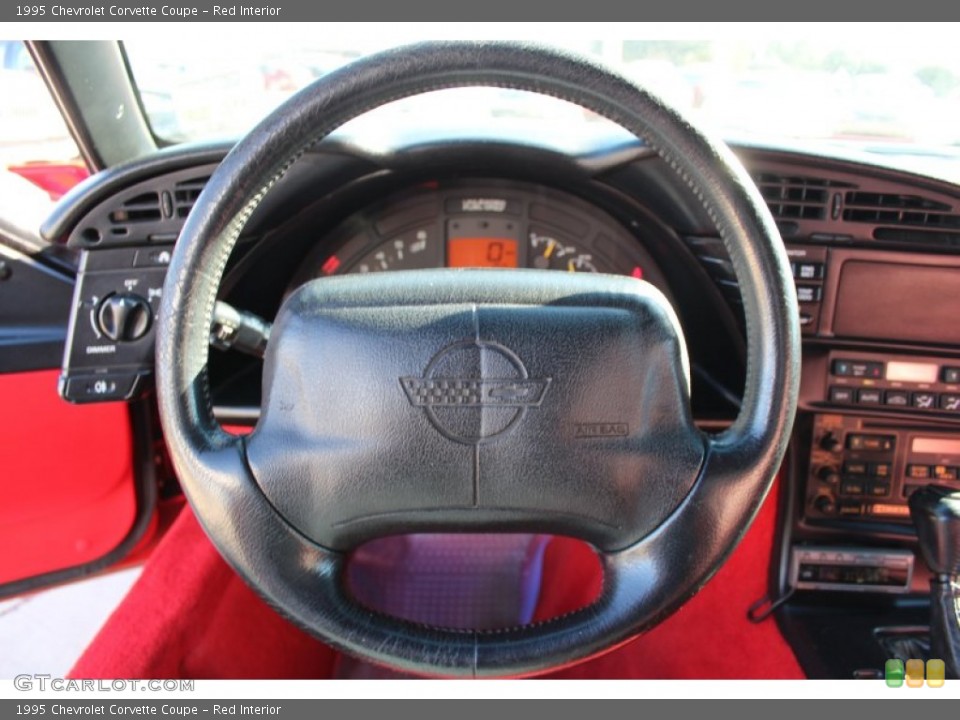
888	509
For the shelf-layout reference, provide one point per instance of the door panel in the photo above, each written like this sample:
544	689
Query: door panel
74	496
67	493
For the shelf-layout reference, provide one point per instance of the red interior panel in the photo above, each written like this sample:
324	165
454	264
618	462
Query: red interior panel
67	494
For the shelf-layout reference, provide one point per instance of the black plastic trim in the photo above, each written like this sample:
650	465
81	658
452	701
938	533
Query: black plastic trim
73	206
90	82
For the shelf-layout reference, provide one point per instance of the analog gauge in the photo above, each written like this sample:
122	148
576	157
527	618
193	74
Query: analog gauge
549	252
581	263
412	250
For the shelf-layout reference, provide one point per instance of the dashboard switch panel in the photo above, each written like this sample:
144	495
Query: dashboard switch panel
110	342
905	383
809	267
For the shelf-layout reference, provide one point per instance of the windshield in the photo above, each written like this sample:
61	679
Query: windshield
871	94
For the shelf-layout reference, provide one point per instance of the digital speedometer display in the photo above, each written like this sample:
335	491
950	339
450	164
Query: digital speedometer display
467	252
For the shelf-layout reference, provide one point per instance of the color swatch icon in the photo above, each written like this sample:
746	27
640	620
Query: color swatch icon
914	673
936	672
895	672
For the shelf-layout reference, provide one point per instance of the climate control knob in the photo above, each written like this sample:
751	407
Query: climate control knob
124	317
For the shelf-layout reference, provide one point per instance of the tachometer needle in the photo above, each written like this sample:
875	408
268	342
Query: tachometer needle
549	251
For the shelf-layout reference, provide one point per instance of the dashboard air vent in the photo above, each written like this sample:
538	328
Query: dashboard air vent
899	210
185	194
795	198
142	208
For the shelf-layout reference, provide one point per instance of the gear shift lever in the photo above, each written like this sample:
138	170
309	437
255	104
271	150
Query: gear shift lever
936	514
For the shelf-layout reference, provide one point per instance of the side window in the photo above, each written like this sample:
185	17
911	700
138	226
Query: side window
39	161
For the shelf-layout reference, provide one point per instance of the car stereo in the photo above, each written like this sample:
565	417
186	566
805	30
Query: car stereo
866	468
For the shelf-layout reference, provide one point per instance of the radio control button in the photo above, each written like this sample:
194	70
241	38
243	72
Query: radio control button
880	470
879	489
851	487
918	472
829	442
873	443
825	504
829	475
850	508
855	468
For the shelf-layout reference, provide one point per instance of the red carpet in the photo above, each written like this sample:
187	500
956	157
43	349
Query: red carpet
189	615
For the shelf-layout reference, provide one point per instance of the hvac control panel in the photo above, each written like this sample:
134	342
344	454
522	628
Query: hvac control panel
110	344
866	470
928	385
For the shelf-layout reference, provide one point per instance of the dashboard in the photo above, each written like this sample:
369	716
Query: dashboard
873	252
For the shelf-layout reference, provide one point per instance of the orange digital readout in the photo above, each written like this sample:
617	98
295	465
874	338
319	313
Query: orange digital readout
482	252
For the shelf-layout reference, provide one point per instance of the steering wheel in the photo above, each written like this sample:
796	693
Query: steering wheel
476	400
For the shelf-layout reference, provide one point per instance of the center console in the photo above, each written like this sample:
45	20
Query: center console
879	417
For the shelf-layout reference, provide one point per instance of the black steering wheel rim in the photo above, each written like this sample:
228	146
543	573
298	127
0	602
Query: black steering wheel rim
644	582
